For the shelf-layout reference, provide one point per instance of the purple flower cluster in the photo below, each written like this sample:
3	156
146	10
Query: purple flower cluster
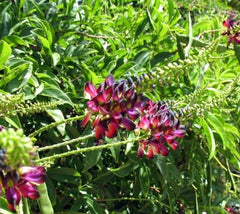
163	127
114	105
21	183
117	105
232	30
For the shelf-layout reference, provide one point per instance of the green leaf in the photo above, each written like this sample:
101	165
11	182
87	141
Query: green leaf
190	35
141	58
218	126
161	165
91	159
40	13
123	170
14	121
210	138
160	57
4	206
144	180
51	191
226	138
237	51
5	52
141	27
180	48
63	171
64	174
115	150
46	45
103	178
196	42
5	24
170	9
89	74
150	20
76	206
56	58
15	40
24	73
231	129
123	69
93	206
57	115
53	91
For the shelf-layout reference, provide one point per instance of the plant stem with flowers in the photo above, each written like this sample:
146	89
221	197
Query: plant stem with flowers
116	106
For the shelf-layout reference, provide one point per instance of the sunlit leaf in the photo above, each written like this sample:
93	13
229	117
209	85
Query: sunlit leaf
210	138
5	52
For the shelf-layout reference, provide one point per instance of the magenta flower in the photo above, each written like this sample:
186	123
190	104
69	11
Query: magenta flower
162	127
28	190
13	197
12	194
22	184
36	175
112	105
116	105
90	90
128	124
232	32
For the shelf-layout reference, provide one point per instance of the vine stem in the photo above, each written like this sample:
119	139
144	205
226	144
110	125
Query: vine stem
65	143
88	149
44	128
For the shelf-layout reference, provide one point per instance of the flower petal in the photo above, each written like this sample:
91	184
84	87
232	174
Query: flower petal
128	124
90	90
28	190
92	105
13	197
85	120
169	138
174	145
33	174
112	130
163	150
179	133
101	97
140	152
150	153
133	113
109	80
144	123
99	131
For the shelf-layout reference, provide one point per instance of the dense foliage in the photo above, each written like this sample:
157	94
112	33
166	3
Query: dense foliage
131	106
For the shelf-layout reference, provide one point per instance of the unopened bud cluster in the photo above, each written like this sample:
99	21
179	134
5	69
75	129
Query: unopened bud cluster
18	148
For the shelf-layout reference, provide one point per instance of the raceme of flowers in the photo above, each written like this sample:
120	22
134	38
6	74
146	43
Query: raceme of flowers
233	30
20	181
116	105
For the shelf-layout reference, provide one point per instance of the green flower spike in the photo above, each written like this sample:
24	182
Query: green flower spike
19	148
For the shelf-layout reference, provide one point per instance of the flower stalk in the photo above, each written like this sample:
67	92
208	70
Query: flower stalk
44	128
65	143
88	149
